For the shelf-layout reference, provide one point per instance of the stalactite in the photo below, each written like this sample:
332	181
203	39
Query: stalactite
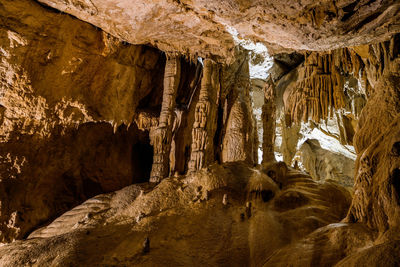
146	121
320	88
269	118
161	136
204	125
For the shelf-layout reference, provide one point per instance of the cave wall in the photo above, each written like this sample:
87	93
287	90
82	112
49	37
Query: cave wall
65	88
369	235
83	113
79	109
376	198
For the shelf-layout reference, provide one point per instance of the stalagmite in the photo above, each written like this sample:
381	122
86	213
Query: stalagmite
268	118
161	136
225	199
238	141
204	125
172	155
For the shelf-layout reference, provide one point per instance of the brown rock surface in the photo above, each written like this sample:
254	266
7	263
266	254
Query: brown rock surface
65	86
370	235
87	119
376	141
186	221
323	164
65	89
198	26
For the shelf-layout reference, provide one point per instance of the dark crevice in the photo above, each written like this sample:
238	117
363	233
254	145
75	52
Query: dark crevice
152	101
347	16
366	21
189	81
142	160
396	149
349	11
271	174
395	181
267	195
218	137
91	187
350	7
370	2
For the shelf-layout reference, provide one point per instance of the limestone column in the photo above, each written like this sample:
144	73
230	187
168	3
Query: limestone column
269	122
161	136
238	143
204	125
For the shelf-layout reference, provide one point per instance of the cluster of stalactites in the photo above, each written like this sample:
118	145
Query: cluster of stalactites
320	87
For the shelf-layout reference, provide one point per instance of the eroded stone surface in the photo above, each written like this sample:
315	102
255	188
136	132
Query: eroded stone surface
115	225
68	90
198	26
65	87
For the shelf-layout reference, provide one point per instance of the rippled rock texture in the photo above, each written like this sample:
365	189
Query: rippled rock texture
187	221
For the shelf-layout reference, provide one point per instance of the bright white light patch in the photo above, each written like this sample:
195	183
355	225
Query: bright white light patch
327	142
261	69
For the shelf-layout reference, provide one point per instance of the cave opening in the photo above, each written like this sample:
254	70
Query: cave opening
142	160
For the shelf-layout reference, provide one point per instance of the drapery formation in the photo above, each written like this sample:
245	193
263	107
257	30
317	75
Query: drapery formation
319	89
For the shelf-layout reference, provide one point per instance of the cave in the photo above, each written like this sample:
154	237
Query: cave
142	159
199	133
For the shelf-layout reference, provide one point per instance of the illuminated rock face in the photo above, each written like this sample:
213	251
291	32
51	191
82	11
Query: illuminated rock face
199	26
110	137
255	219
83	113
65	90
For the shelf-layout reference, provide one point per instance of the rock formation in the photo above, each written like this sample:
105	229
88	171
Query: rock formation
269	119
199	26
121	120
277	218
66	89
376	139
161	136
240	140
323	164
204	125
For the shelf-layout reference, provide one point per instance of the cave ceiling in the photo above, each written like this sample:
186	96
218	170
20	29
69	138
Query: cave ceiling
201	27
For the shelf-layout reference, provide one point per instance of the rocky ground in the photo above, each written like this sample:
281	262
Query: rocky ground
229	215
